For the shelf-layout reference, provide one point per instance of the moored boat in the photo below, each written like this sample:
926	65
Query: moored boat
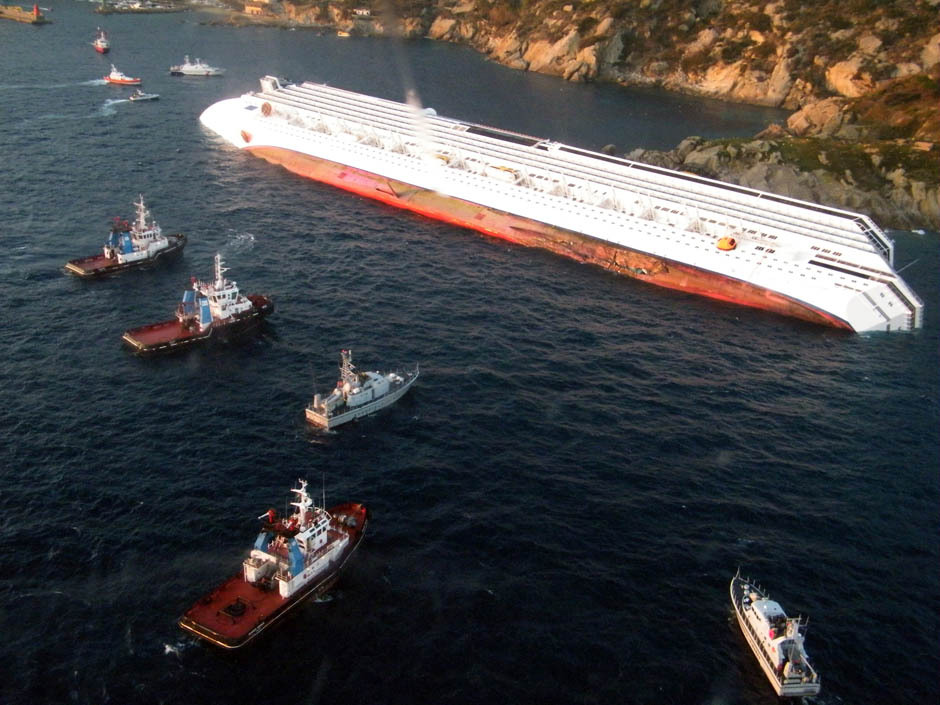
139	95
130	245
118	78
293	558
358	394
101	44
195	67
214	310
775	639
669	228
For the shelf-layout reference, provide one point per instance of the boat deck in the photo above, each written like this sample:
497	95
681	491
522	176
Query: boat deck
88	266
228	614
158	334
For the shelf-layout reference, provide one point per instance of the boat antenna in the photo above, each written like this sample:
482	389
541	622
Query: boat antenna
323	487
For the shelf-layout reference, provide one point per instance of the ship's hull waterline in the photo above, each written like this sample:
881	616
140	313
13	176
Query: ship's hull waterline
532	233
676	230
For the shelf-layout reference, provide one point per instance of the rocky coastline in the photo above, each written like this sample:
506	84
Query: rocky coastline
862	76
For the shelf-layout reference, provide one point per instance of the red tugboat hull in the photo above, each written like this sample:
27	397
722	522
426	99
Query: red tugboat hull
171	336
99	265
237	611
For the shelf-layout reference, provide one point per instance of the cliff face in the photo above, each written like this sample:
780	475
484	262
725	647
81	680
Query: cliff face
785	53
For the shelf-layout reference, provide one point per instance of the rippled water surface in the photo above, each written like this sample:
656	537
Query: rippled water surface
558	505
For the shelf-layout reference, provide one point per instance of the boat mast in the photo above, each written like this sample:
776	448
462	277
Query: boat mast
347	369
219	270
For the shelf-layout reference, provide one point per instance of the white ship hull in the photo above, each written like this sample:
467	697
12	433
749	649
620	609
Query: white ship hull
799	259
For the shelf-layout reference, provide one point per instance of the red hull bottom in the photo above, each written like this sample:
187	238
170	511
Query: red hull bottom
530	233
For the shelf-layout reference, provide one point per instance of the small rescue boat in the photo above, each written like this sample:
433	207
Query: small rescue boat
130	245
775	639
292	559
214	310
119	79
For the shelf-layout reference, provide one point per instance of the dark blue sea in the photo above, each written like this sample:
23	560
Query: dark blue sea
558	505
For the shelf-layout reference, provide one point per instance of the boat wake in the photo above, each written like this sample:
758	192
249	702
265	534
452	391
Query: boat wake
240	242
107	108
51	86
174	649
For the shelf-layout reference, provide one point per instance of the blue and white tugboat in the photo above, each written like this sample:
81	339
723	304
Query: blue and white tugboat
775	639
130	245
358	394
293	558
214	310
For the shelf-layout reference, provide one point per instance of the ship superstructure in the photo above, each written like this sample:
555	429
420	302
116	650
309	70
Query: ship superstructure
669	228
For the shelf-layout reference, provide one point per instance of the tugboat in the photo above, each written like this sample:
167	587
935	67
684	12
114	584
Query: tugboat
198	67
209	310
358	394
292	558
775	639
101	44
130	246
119	79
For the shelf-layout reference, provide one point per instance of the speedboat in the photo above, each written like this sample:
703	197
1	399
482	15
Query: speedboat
195	67
140	95
119	79
775	639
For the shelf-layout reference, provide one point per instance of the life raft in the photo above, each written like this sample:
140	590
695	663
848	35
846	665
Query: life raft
727	244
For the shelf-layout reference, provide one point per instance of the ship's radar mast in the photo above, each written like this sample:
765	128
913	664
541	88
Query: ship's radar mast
348	370
219	271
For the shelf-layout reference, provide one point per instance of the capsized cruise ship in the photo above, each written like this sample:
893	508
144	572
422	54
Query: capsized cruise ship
669	228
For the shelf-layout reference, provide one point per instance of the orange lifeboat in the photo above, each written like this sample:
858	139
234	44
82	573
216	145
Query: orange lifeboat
727	244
